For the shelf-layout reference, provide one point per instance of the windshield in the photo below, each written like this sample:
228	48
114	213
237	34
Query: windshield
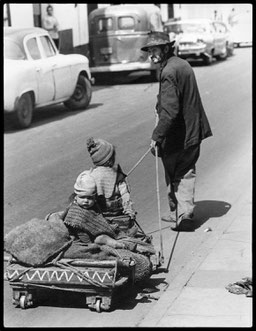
186	28
105	24
12	50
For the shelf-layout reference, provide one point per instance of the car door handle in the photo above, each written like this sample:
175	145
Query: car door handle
38	68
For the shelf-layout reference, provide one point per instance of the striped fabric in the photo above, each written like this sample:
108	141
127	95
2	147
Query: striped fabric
105	178
88	220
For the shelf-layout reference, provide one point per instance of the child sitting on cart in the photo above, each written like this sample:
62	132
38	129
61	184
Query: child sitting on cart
84	220
112	187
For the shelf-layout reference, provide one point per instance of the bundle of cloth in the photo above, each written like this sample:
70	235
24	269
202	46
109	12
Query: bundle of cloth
40	241
37	241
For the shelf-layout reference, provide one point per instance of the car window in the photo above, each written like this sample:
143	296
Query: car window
105	24
126	23
13	51
33	49
47	46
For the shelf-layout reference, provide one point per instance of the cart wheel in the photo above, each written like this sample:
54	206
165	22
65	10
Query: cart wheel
98	305
23	302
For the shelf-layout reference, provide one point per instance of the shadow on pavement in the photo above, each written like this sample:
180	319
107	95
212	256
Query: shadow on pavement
138	77
46	115
206	209
125	298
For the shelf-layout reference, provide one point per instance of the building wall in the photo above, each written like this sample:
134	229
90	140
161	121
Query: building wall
21	15
207	10
72	18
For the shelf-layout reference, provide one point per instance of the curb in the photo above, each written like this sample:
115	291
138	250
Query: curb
172	292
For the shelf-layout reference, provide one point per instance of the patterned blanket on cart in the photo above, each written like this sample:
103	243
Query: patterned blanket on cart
56	275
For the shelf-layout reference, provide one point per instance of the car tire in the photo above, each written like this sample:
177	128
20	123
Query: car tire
82	95
223	56
230	50
23	114
208	60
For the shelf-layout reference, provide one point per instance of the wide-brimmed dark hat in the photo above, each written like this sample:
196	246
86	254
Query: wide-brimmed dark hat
157	38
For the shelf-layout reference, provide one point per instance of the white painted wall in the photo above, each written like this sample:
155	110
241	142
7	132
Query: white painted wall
22	15
206	10
73	17
164	12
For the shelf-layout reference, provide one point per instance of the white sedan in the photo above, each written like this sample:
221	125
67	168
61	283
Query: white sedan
37	75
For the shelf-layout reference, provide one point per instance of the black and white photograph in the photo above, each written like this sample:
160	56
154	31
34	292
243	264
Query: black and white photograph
127	165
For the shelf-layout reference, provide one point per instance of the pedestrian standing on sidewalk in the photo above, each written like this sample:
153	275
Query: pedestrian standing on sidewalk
180	127
51	24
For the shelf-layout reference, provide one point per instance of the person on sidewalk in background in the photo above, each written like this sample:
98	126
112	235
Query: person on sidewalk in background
180	127
51	24
231	18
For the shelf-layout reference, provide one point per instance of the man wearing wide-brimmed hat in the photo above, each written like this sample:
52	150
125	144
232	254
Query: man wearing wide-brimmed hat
180	127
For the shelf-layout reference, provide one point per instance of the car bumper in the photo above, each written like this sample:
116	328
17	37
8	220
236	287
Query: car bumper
122	67
9	104
195	52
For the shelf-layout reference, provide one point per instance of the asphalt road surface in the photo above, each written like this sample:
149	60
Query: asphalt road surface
42	163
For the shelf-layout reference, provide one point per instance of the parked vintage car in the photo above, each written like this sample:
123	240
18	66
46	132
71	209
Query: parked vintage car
224	28
37	75
117	34
197	39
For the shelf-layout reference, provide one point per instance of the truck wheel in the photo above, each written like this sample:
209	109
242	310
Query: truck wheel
82	95
23	112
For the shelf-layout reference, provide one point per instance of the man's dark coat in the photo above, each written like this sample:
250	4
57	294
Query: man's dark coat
182	119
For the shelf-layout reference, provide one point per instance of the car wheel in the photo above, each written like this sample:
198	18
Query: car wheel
223	56
23	111
230	51
82	95
208	59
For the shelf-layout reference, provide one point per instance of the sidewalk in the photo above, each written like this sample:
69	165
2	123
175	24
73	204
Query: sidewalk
198	297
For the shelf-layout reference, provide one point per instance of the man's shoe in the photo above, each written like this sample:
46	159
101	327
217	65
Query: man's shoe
168	218
184	224
187	216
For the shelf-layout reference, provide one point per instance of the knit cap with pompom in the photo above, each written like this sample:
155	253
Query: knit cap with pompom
100	150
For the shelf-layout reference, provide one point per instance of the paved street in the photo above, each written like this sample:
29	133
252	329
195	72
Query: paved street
42	163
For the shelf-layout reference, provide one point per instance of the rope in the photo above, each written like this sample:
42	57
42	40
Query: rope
140	160
158	196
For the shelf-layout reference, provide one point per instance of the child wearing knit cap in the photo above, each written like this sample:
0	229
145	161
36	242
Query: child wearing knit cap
83	217
112	187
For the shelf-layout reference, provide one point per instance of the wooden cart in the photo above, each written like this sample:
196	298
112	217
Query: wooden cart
98	280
